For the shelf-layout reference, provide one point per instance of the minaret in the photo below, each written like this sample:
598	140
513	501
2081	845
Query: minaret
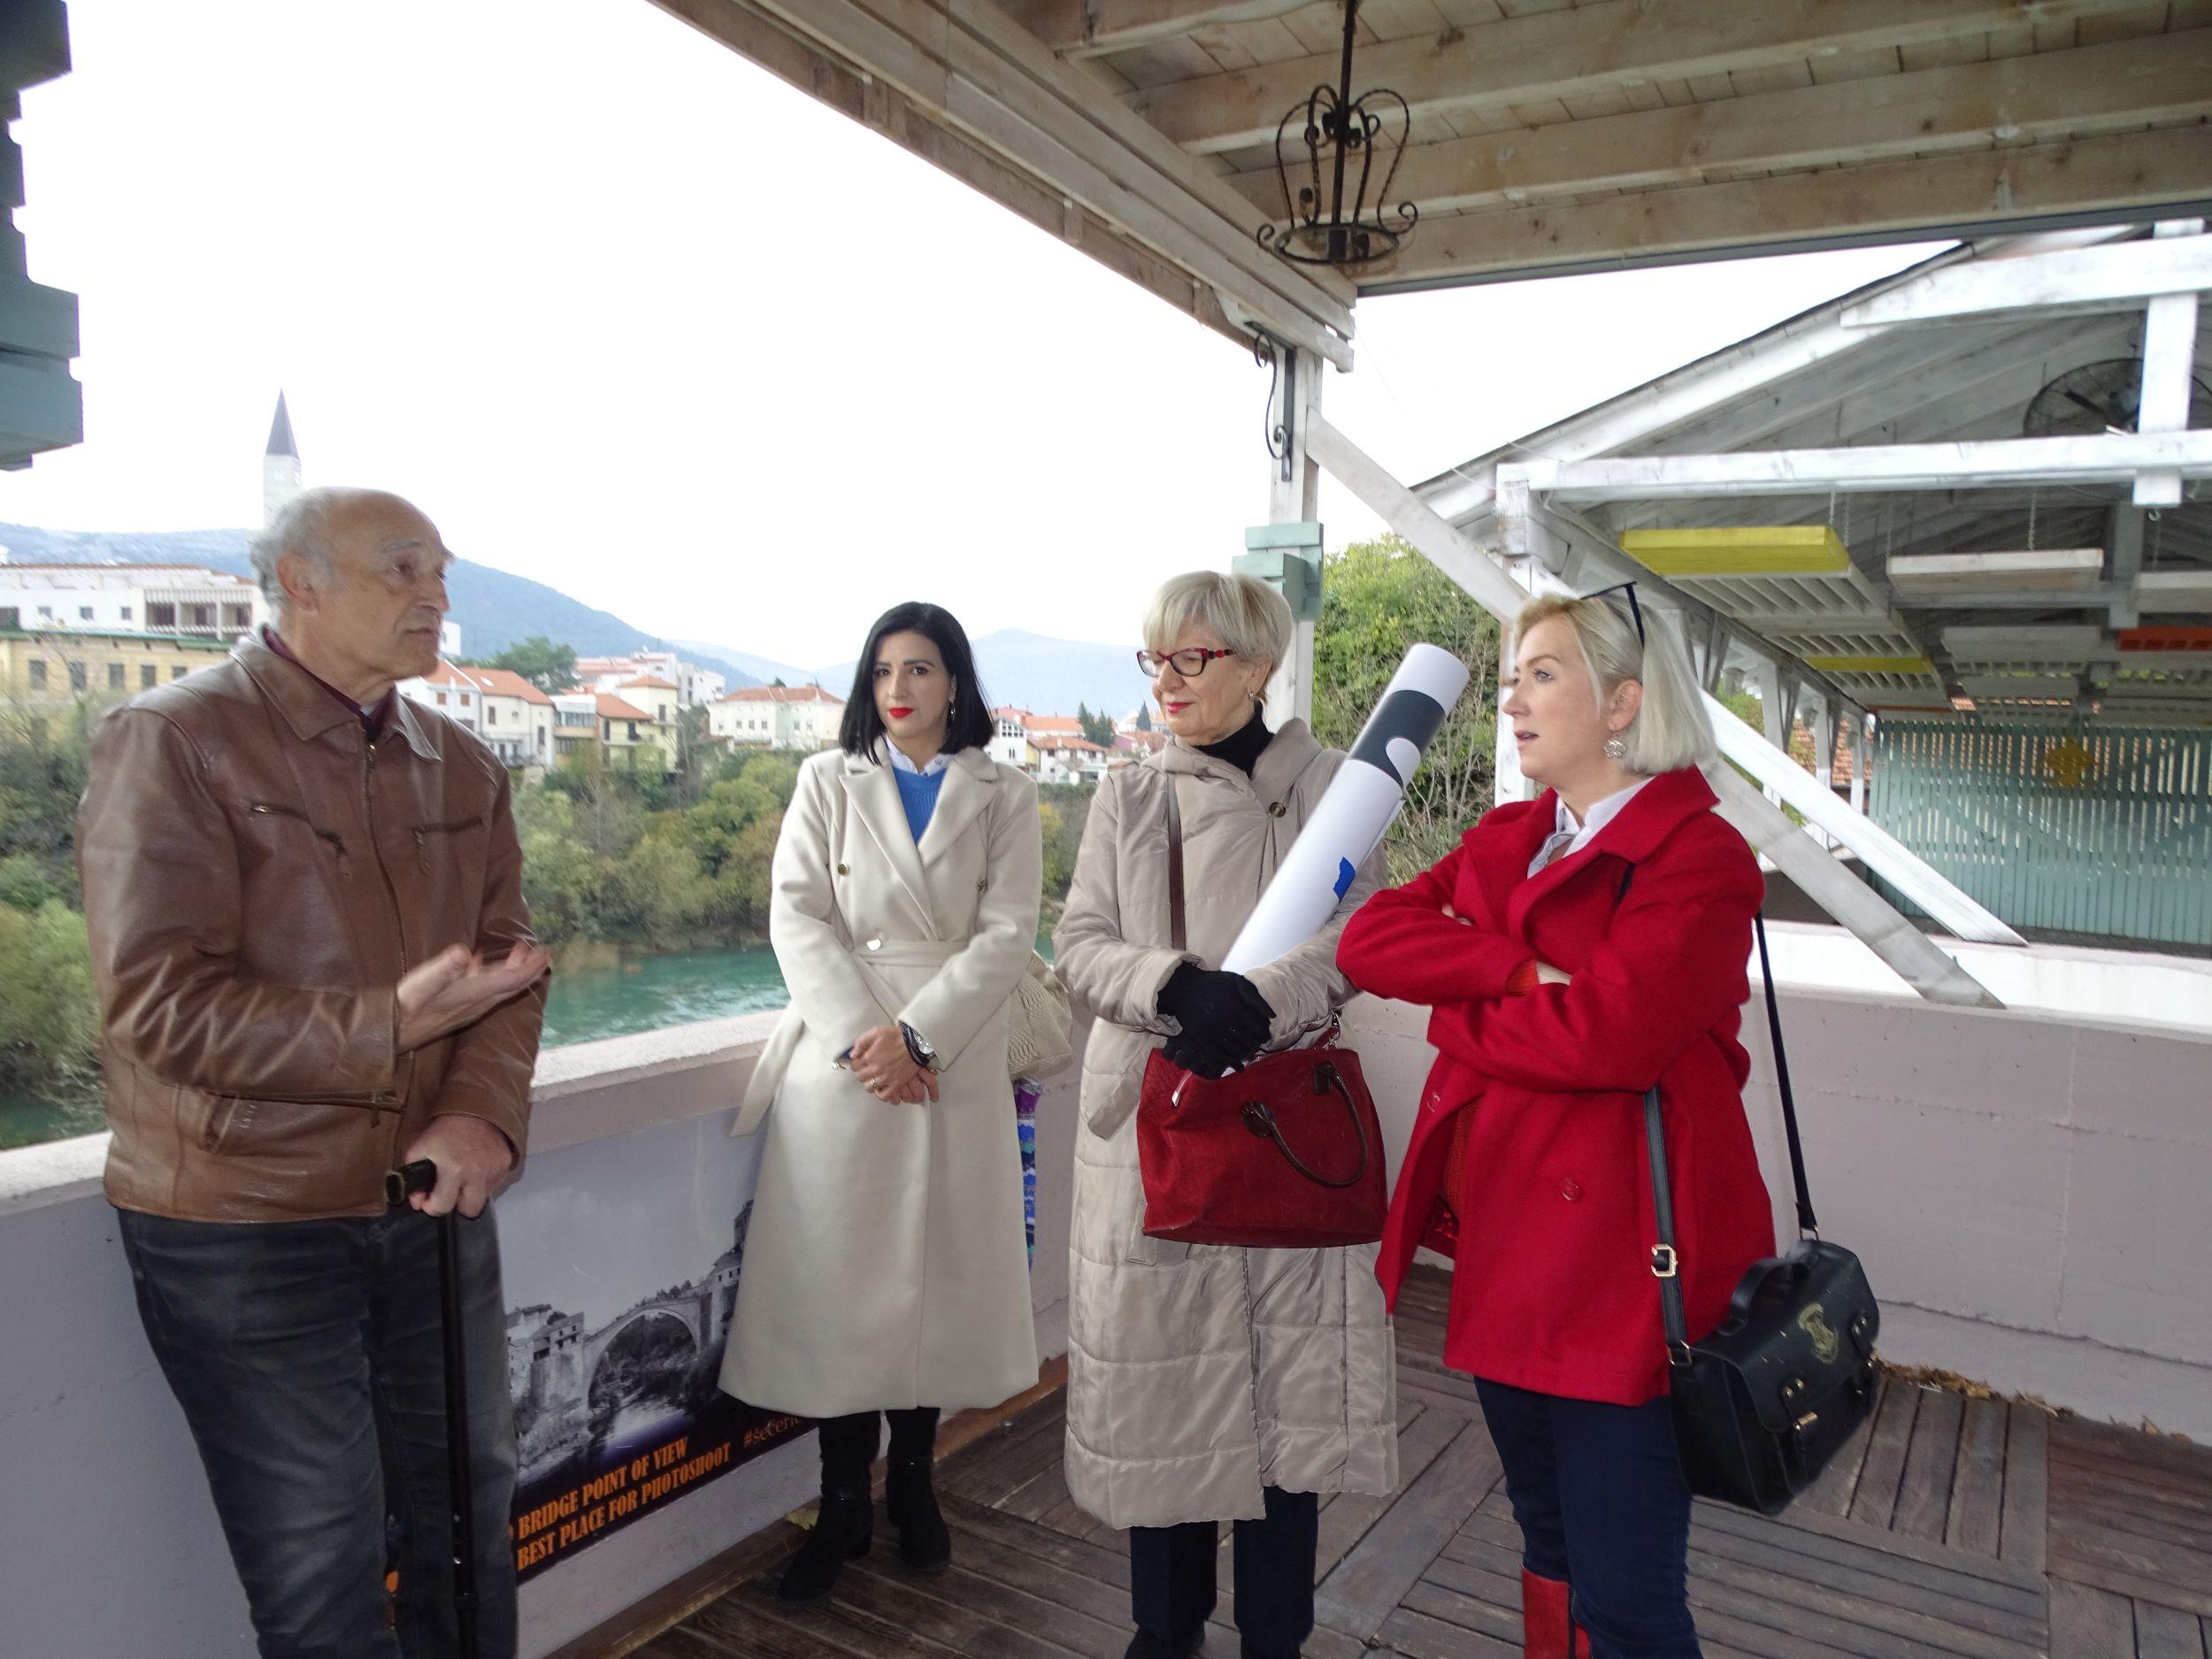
281	466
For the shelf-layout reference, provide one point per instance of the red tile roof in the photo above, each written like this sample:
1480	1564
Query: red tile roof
612	708
504	682
781	694
646	683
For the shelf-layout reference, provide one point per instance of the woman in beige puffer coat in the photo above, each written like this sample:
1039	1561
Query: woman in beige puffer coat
1209	1383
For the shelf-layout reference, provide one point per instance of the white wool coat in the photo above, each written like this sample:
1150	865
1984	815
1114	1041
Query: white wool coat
885	1265
1199	1374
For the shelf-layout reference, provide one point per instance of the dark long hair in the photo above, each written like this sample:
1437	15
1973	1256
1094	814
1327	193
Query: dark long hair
969	726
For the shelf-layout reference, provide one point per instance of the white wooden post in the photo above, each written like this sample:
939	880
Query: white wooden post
2170	352
1862	759
1293	501
1824	753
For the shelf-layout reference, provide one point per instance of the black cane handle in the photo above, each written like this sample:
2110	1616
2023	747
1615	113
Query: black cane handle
403	1183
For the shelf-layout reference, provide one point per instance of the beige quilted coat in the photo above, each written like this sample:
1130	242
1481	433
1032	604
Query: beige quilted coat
1198	1374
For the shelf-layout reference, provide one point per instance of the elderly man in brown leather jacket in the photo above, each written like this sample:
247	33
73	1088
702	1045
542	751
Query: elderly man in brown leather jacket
314	962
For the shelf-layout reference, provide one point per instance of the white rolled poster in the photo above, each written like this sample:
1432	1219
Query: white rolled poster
1354	811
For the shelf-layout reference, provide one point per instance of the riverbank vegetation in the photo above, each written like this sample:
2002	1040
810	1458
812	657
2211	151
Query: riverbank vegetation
619	861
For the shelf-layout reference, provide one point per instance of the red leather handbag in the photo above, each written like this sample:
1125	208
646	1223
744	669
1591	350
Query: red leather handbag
1285	1154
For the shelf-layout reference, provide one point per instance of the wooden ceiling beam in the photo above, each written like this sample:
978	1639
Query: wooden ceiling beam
1609	47
963	85
1970	194
2161	81
1092	29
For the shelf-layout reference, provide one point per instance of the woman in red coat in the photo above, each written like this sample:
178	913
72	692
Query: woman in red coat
1577	950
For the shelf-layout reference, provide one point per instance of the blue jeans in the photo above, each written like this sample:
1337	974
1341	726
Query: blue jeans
309	1360
1599	1494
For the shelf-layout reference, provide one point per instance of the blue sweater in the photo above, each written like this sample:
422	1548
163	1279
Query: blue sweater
918	795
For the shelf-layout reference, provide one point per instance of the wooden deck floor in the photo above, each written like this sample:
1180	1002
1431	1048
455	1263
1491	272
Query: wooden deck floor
1954	1528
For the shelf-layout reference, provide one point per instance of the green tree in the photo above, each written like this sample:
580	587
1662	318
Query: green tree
1144	717
48	1018
1378	598
1064	809
1099	729
547	666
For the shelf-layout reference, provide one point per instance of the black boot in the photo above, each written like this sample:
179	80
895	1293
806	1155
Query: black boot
844	1526
1146	1646
909	1497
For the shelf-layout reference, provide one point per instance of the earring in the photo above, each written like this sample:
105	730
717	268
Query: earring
1615	749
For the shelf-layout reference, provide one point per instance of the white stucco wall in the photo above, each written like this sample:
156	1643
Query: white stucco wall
2027	1188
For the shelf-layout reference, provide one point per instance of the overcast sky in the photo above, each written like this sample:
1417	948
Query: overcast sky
628	315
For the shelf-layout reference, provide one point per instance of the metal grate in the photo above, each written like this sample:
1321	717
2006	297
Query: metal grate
2087	830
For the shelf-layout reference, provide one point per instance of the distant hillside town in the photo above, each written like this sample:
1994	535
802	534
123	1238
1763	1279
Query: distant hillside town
72	631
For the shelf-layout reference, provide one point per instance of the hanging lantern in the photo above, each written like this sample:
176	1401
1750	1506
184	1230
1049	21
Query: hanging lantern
1327	172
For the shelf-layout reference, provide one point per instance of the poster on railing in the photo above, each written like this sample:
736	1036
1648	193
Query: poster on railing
622	1259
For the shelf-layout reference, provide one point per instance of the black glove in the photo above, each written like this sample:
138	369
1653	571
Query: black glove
1226	1021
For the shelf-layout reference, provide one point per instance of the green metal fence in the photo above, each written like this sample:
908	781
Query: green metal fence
2073	828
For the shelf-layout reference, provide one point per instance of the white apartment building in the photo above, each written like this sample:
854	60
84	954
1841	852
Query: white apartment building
692	686
518	717
498	705
803	717
657	696
1009	744
189	599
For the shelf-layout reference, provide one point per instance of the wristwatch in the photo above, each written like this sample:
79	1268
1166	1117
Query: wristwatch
918	1048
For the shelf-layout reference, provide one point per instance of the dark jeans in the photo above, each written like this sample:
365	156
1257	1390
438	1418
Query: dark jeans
1599	1493
309	1361
1171	1575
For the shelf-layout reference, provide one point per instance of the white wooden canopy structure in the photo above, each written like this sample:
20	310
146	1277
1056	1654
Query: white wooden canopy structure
1851	498
1546	136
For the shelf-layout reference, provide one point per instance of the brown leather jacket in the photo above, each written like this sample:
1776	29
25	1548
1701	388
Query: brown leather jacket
258	876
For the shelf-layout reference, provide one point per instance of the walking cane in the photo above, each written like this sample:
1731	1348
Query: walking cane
399	1185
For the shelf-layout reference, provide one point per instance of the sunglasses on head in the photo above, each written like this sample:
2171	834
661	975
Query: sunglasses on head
1635	610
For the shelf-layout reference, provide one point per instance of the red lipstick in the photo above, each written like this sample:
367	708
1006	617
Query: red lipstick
900	714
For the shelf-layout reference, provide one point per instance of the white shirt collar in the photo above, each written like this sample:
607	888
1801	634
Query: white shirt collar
899	762
1602	813
1577	835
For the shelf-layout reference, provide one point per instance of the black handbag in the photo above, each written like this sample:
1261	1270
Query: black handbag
1761	1404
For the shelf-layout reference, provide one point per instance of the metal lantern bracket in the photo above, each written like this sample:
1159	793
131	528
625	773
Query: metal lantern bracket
1340	134
1281	359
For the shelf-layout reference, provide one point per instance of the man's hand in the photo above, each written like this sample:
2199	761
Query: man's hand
474	1164
457	988
887	1070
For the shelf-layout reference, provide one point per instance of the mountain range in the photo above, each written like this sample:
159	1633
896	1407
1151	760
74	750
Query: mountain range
496	608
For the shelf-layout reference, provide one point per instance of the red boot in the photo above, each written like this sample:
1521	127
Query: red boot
1547	1626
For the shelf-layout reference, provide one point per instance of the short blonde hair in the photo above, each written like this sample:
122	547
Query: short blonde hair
1672	729
1251	618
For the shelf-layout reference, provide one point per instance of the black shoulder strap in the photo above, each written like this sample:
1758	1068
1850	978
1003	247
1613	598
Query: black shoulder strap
1176	929
1805	1220
1663	1263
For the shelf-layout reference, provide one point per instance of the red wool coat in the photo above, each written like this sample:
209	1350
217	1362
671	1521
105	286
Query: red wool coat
1552	1288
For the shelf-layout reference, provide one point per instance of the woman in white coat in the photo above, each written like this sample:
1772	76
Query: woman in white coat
886	1268
1208	1383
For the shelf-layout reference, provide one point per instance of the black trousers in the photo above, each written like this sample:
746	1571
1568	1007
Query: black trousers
1171	1576
854	1439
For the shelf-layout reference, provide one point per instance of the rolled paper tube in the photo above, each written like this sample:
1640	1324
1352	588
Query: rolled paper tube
1353	812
